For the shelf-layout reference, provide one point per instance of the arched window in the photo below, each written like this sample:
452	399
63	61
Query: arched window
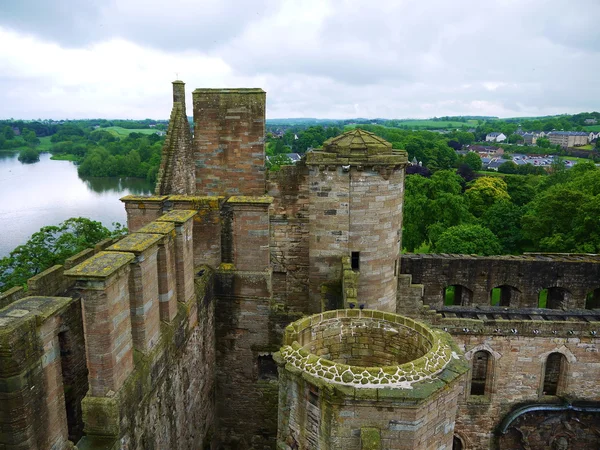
554	374
553	298
592	299
504	295
481	373
457	295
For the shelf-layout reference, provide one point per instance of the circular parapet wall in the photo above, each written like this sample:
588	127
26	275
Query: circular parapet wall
366	349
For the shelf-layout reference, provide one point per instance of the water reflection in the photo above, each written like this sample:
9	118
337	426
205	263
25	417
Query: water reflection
48	192
135	186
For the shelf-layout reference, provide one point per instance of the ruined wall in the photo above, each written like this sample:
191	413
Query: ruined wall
517	375
43	377
229	141
529	274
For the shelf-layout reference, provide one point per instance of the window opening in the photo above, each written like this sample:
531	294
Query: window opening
355	260
481	361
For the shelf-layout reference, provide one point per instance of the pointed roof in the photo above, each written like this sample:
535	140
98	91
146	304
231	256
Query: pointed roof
357	141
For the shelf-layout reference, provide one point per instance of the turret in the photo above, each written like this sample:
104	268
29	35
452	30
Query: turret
356	192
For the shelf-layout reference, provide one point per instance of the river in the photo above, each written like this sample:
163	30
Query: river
48	192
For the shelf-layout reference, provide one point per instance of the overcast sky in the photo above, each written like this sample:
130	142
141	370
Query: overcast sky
315	58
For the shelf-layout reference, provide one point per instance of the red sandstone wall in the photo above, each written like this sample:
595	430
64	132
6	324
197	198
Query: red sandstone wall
229	141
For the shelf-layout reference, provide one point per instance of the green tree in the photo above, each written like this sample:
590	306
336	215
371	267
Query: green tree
503	219
508	167
465	138
515	138
543	142
563	218
468	239
8	133
484	192
51	245
29	155
30	137
473	160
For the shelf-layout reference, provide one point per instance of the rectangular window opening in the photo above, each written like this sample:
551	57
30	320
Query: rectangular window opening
355	260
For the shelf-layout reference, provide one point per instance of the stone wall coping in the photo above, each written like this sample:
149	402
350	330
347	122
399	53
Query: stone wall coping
101	266
178	216
199	201
315	158
250	200
562	257
229	91
22	310
157	228
402	376
143	198
136	242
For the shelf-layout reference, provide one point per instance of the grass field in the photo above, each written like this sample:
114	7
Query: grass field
124	132
585	147
592	128
437	124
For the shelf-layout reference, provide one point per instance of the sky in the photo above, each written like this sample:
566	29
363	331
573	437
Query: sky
70	59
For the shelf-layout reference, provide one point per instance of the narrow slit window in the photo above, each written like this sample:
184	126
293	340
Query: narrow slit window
355	260
480	374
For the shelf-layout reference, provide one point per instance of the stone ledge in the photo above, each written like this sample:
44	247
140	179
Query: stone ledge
101	265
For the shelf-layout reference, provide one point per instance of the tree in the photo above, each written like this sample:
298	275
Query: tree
51	245
29	155
468	239
274	163
508	167
543	142
473	160
515	138
503	219
465	138
484	192
466	172
8	133
30	137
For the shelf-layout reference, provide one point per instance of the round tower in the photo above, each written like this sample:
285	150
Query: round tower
356	195
399	391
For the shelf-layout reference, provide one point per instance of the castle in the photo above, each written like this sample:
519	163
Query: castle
246	311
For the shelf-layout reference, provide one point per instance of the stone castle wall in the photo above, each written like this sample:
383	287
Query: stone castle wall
528	274
229	141
134	368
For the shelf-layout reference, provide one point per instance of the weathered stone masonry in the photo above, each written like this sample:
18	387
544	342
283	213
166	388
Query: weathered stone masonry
172	337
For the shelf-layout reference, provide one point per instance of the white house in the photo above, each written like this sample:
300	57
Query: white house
495	137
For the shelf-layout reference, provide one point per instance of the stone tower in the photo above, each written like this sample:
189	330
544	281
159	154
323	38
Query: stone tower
176	173
356	184
229	141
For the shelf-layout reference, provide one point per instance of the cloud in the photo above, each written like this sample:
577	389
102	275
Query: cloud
317	58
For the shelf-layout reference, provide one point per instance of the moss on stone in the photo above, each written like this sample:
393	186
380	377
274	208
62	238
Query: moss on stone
136	242
157	228
101	265
177	216
247	199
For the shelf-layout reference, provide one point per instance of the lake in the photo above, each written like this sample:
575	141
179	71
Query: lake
48	192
